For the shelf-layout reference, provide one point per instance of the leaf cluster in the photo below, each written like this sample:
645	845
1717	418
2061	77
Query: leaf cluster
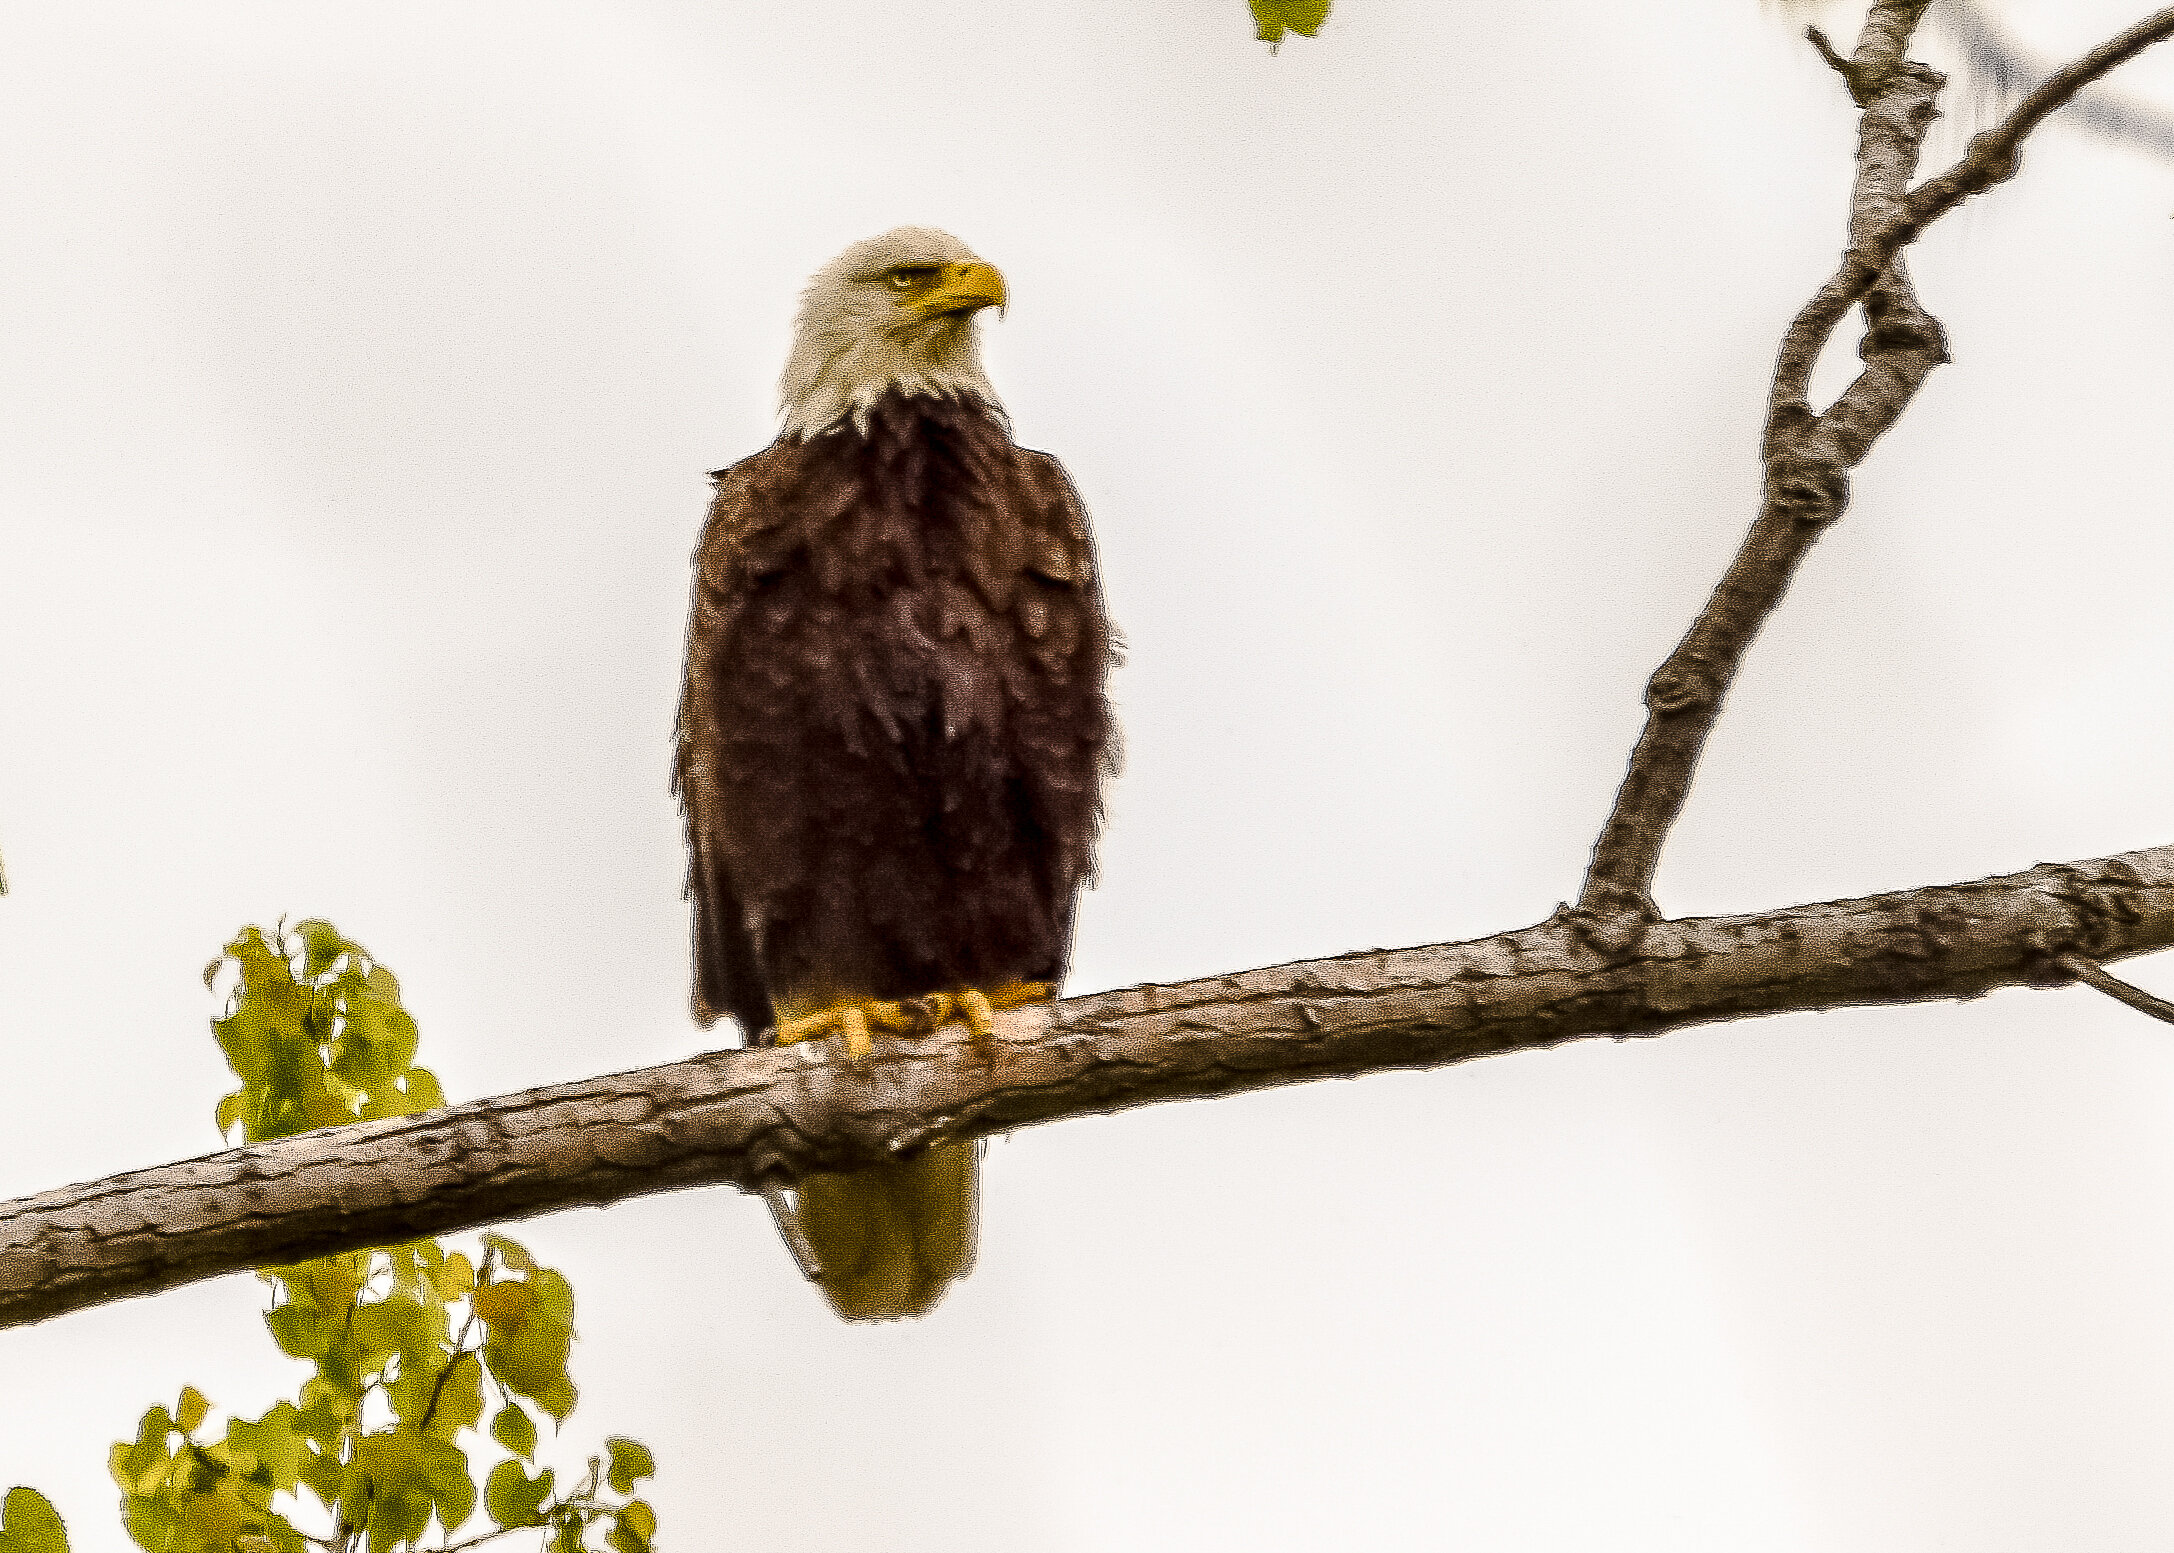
407	1343
315	1032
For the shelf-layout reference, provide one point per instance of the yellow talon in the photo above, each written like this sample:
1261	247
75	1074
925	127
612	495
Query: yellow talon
972	1007
855	1025
848	1018
791	1032
1018	994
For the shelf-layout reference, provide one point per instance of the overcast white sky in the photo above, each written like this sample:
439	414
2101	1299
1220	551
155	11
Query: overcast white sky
361	365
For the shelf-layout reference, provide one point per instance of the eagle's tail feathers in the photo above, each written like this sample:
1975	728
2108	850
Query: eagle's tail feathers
887	1241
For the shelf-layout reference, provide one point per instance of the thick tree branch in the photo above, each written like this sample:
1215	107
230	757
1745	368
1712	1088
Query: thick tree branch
762	1117
1808	457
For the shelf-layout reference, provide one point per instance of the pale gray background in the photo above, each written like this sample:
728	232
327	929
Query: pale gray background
361	366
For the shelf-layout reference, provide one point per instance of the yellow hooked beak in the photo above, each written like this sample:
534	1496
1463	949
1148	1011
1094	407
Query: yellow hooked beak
963	288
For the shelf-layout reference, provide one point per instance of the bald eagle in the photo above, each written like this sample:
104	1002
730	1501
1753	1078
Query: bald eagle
894	732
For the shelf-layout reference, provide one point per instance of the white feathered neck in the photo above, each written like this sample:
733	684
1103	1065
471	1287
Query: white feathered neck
854	340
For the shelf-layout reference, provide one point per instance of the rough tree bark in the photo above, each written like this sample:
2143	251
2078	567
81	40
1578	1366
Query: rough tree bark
756	1117
1608	966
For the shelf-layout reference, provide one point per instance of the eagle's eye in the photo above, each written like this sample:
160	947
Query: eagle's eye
908	276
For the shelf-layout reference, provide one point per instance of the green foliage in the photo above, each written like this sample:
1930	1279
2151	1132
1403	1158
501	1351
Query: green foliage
317	1036
1273	18
28	1523
630	1463
404	1341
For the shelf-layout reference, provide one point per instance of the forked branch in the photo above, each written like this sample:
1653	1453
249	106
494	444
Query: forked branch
1808	457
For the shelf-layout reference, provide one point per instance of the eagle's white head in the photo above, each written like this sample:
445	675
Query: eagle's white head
896	311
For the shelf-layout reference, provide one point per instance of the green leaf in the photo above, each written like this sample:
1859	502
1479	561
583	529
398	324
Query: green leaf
345	1382
321	946
1273	18
327	1410
360	1070
554	1300
245	1038
456	1277
211	1513
460	1398
316	1033
420	1085
322	1476
558	1397
190	1410
30	1524
400	1515
382	1328
516	1431
140	1468
334	1102
274	1444
630	1463
385	1027
267	1531
302	1330
388	1456
528	1354
632	1527
151	1522
203	1471
510	1252
443	1468
503	1306
328	1282
231	1111
513	1497
390	1485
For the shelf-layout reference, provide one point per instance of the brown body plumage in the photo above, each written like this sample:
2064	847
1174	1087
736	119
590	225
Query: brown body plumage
894	725
890	754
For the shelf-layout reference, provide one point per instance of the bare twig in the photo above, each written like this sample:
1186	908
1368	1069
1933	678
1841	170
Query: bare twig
480	1538
760	1117
1993	155
1808	457
2088	972
2002	71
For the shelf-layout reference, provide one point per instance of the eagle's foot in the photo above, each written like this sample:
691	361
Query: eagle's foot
848	1017
931	1011
977	1008
854	1018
